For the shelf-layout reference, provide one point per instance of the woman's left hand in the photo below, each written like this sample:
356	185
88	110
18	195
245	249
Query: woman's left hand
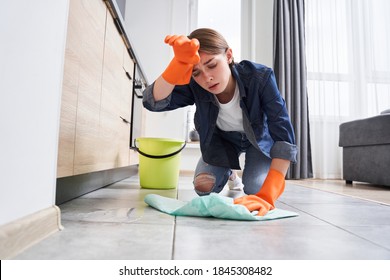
270	191
253	202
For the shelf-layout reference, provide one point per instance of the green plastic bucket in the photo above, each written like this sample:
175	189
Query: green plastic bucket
159	162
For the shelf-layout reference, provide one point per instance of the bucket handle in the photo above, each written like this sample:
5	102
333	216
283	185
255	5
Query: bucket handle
158	157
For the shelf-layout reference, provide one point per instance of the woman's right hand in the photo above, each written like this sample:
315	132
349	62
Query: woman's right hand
179	70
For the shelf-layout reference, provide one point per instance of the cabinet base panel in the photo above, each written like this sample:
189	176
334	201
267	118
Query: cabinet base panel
71	187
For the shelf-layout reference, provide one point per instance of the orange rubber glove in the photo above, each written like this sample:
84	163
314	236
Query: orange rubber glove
264	200
179	70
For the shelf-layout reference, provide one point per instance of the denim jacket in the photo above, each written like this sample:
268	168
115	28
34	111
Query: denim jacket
265	118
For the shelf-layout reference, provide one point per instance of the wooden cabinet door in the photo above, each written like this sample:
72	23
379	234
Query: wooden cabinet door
67	131
80	108
115	102
92	16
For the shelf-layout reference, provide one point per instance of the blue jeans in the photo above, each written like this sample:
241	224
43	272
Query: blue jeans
255	169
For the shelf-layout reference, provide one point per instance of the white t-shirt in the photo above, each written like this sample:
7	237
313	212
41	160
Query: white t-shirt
230	114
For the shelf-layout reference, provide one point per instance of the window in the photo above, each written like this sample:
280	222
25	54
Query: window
225	17
348	57
348	63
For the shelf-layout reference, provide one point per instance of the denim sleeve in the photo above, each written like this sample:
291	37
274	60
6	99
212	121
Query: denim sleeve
150	103
279	123
284	150
181	96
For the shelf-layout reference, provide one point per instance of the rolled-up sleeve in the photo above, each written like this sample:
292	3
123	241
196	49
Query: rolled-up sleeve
284	150
150	103
181	96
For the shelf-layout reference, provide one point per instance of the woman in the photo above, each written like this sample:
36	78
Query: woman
238	110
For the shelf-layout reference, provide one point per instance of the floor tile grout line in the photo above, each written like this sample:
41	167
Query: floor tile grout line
363	238
343	195
339	227
173	239
340	193
174	230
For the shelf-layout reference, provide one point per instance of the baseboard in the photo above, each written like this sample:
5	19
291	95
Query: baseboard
71	187
21	234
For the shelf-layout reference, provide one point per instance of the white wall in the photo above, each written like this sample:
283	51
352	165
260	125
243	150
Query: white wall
147	23
33	35
264	32
257	31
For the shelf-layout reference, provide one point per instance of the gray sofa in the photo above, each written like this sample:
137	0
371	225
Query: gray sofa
366	149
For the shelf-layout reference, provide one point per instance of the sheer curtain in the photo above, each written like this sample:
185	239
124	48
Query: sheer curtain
348	62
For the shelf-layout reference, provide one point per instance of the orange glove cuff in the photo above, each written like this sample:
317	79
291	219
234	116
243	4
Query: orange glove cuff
273	187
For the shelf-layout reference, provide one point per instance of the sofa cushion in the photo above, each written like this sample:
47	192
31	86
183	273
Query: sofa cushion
364	132
385	112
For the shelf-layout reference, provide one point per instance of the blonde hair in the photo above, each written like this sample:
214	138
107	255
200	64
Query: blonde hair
211	41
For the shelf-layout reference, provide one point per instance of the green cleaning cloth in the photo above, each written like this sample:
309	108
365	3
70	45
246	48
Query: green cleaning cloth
213	205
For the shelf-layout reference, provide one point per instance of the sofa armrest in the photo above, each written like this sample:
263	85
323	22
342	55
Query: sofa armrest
369	131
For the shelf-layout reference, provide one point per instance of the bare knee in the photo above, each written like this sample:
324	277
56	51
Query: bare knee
204	182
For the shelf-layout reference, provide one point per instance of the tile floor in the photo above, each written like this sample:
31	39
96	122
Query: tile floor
334	223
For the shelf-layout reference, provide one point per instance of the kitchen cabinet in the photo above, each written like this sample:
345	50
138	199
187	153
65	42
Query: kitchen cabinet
99	69
116	99
80	105
89	49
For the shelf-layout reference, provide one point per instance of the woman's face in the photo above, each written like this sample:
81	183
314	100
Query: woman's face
213	72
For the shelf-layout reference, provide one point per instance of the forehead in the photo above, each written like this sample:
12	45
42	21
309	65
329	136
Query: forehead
205	57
